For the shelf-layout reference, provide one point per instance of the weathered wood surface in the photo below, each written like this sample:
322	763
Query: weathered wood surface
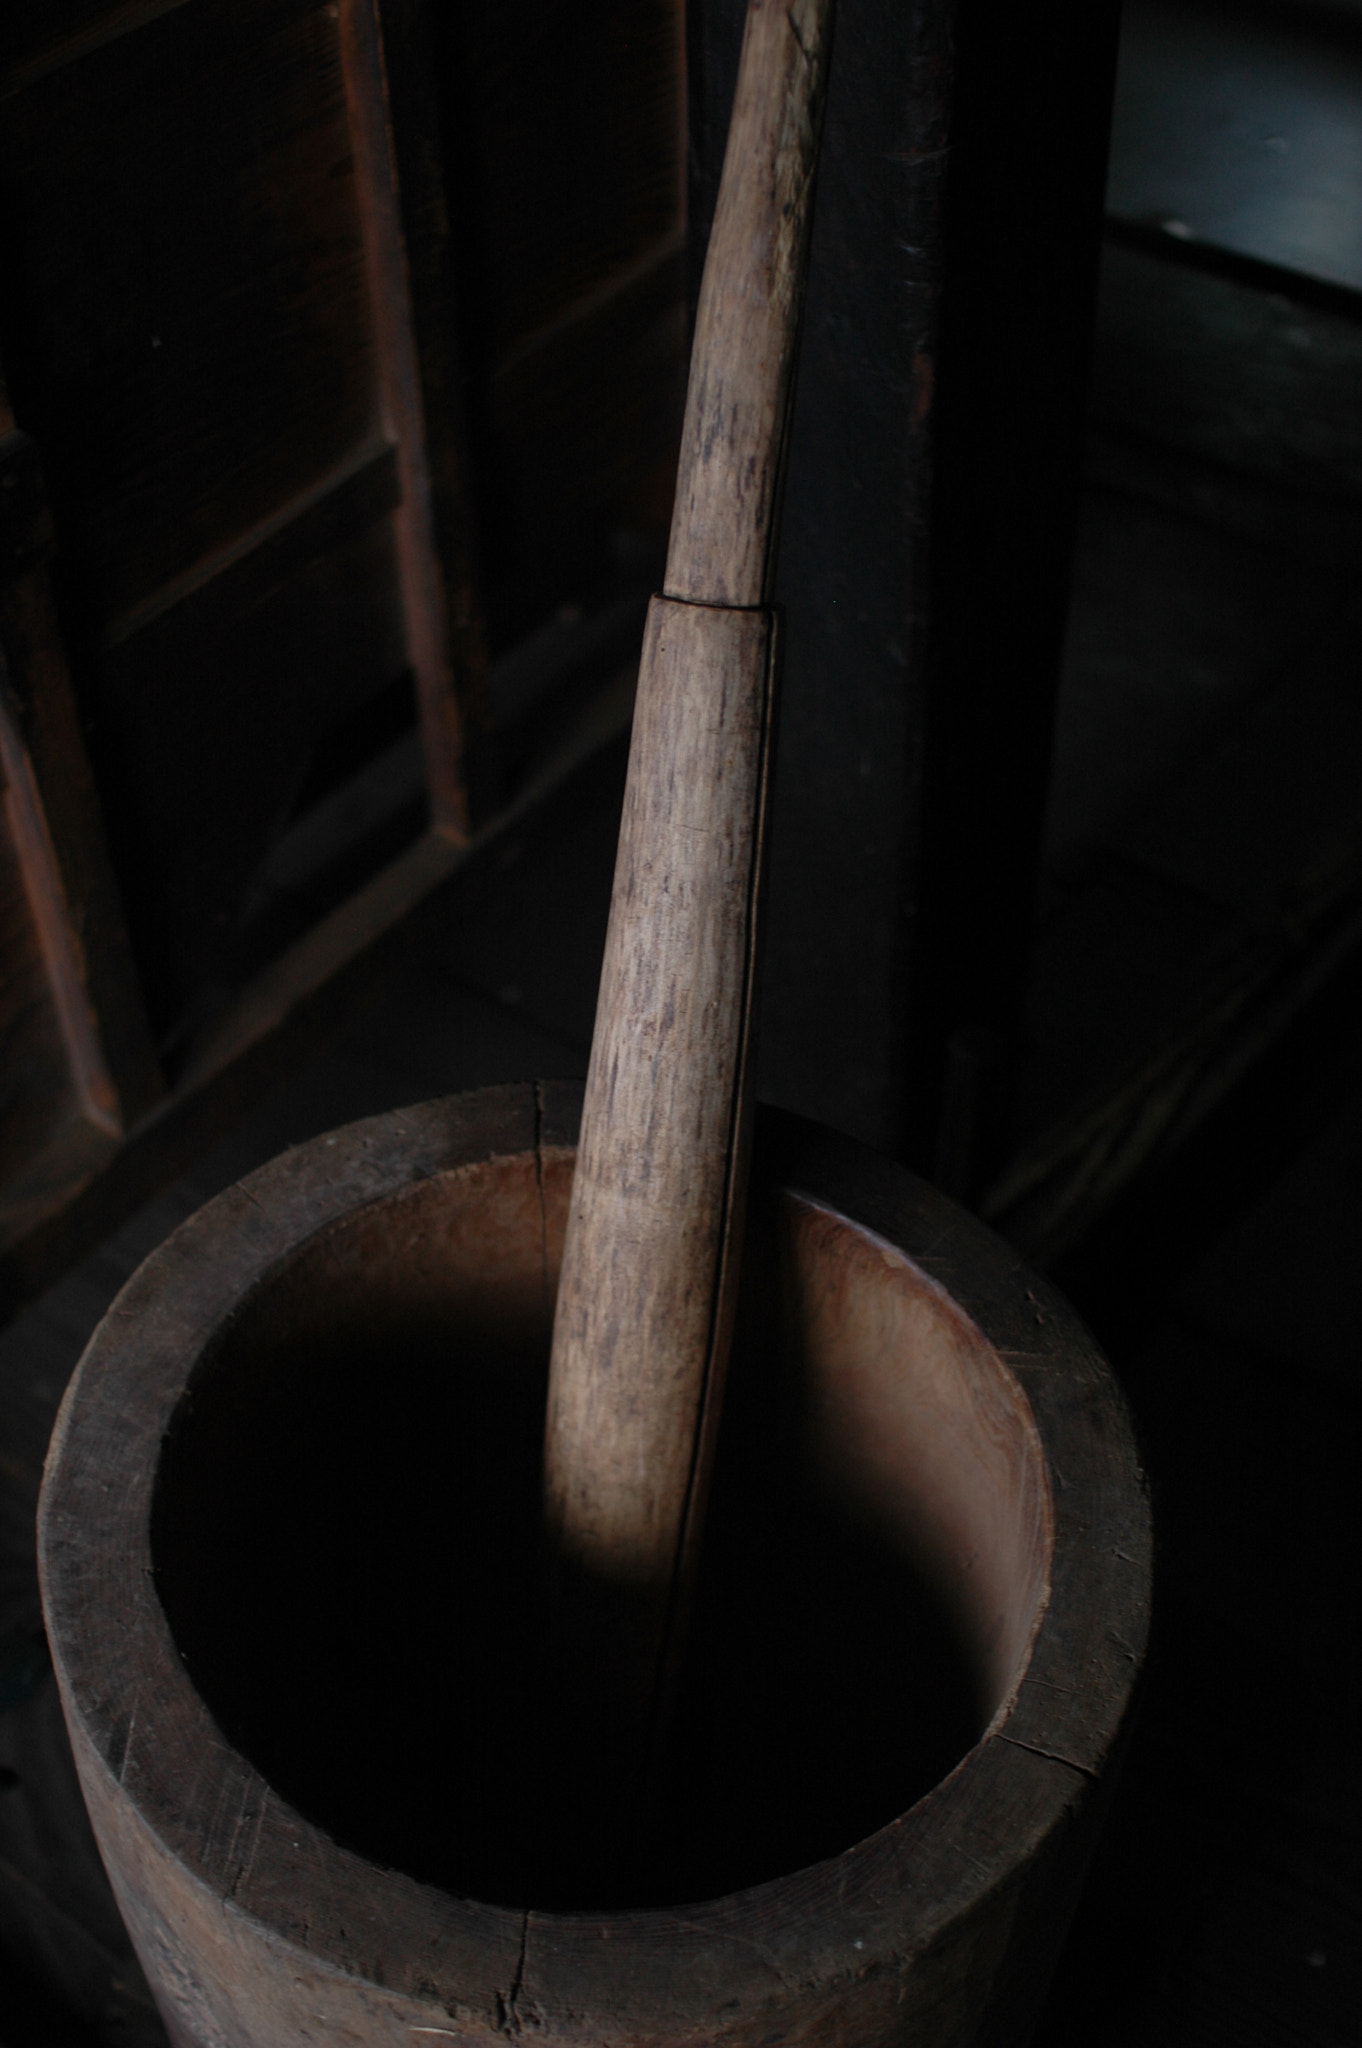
645	1307
747	323
258	1928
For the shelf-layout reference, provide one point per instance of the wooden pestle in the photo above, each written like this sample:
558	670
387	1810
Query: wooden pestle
645	1302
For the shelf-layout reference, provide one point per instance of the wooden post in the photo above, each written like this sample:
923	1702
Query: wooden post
645	1301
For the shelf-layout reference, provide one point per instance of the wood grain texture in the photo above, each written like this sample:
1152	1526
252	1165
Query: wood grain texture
258	1928
644	1313
747	323
644	1306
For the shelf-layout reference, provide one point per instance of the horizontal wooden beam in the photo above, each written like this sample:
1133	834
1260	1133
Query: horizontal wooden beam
348	498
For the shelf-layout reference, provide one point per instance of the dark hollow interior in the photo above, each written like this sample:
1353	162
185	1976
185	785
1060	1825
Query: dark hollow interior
345	1544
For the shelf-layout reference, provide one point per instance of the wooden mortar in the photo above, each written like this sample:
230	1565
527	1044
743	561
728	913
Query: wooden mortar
289	1576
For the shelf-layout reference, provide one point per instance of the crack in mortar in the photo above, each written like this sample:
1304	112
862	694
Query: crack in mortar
508	2010
1051	1755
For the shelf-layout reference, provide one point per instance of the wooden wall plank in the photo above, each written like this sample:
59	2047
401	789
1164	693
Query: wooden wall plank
565	150
199	781
1021	238
570	414
187	327
567	161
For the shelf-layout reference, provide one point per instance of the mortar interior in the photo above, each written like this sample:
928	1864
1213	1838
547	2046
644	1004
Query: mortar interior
345	1524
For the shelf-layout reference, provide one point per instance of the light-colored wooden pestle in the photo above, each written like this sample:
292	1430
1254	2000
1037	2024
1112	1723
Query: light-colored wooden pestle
645	1302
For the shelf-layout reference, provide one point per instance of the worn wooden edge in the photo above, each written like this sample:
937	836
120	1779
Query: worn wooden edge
1101	1505
921	1908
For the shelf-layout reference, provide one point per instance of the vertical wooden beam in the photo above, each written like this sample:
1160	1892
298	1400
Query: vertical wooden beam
928	525
1030	129
443	621
55	815
420	161
57	935
852	569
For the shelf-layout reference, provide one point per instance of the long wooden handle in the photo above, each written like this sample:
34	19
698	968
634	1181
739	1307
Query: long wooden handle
747	322
646	1295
